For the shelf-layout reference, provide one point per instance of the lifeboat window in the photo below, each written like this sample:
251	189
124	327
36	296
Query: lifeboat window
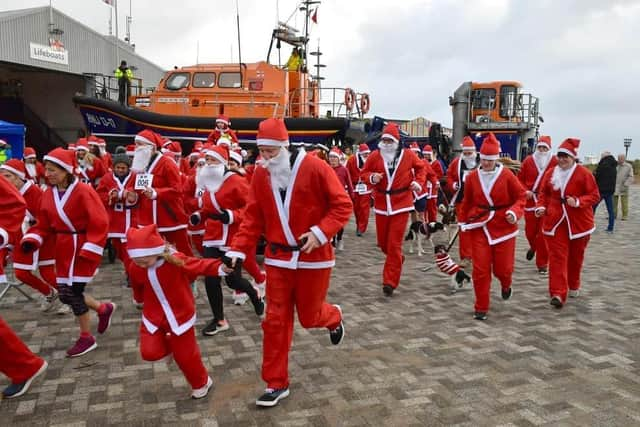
483	99
177	81
229	79
204	79
508	101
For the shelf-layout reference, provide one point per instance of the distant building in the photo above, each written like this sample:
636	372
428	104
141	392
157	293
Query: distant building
419	127
591	159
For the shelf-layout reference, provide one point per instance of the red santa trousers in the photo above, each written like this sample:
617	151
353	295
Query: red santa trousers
533	231
498	257
361	209
23	264
565	261
464	241
431	213
306	290
390	232
16	360
48	273
180	239
121	250
184	349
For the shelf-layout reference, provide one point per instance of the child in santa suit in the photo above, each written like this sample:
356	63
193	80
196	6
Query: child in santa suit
25	263
565	204
492	204
362	191
162	278
533	169
223	129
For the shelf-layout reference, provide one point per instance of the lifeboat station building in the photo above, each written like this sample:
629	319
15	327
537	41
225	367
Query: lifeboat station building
46	58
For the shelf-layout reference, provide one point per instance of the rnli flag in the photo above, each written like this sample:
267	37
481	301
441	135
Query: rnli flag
314	17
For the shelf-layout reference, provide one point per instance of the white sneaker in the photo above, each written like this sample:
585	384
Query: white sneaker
50	302
63	309
574	293
239	298
340	246
199	393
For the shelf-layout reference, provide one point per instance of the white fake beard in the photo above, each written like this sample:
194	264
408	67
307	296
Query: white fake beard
279	169
388	152
559	177
31	169
141	158
470	161
542	159
210	177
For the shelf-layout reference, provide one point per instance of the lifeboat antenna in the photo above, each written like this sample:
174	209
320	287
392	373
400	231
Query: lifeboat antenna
239	50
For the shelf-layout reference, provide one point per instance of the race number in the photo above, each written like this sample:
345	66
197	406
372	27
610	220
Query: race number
361	188
143	181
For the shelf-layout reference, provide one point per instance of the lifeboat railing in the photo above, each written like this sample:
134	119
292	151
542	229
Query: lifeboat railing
331	102
106	87
503	112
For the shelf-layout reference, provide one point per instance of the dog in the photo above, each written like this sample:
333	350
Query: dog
419	231
448	266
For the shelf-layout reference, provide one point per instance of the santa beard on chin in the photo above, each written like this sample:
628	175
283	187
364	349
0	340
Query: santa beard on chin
31	169
141	158
279	169
210	177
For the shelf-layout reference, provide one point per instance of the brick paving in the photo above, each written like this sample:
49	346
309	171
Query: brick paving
417	359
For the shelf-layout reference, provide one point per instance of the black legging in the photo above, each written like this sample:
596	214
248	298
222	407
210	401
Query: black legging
214	288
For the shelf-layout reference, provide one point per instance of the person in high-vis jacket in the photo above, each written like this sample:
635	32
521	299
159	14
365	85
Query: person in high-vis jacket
124	76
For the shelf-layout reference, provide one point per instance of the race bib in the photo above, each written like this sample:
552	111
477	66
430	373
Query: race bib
361	188
143	181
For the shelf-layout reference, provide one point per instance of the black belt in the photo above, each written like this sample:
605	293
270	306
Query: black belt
275	247
69	232
493	208
563	200
393	191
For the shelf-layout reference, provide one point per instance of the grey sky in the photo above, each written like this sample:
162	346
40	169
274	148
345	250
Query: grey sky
581	57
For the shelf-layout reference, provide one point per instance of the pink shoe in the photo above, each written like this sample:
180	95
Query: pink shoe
104	319
82	346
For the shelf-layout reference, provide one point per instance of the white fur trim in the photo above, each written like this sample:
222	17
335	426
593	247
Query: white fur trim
236	156
5	238
230	212
226	122
143	140
544	144
33	236
82	148
489	156
59	162
29	156
388	135
322	238
137	253
14	171
92	247
272	142
569	152
236	254
217	156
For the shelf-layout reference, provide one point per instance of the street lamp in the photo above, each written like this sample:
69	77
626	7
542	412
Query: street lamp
627	144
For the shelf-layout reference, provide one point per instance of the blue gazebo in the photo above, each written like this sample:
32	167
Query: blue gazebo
13	133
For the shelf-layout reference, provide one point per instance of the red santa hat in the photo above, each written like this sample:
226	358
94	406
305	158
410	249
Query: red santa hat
490	149
391	131
272	132
101	142
363	149
173	147
236	155
29	153
3	143
93	140
570	146
145	241
468	144
414	147
16	167
427	150
335	151
545	141
223	119
71	146
194	153
149	137
65	159
82	144
131	150
219	153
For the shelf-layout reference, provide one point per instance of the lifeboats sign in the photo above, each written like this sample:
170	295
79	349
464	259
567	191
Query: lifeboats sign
48	54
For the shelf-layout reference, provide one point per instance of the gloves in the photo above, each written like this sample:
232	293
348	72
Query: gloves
28	246
237	270
223	217
456	186
194	219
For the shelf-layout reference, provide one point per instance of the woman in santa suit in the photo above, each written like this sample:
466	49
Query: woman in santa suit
431	214
493	202
16	360
566	201
362	191
345	179
73	212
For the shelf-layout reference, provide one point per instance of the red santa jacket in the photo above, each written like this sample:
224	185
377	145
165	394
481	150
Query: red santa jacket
392	195
92	173
430	185
437	169
118	209
581	185
165	208
531	176
80	224
166	291
345	179
456	175
230	197
192	197
39	175
487	206
314	201
355	165
216	134
13	208
107	161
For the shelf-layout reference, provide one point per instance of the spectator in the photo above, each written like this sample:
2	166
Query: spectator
5	151
605	175
124	76
624	178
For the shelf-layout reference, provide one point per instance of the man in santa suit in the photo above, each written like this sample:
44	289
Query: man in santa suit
298	204
91	167
345	179
531	172
492	204
16	360
192	195
25	263
420	197
33	168
457	173
394	174
565	203
160	202
223	128
431	214
116	195
361	190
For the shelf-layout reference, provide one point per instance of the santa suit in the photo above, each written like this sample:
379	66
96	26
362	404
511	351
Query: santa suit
361	194
216	134
39	175
169	312
25	263
192	197
567	229
530	176
314	201
483	215
92	173
80	224
393	201
456	175
16	360
431	214
119	210
165	208
430	184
